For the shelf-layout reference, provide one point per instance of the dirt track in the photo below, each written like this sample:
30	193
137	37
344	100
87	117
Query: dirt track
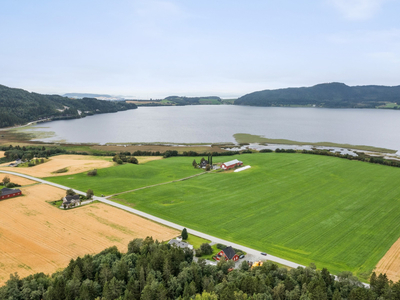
74	163
38	237
390	263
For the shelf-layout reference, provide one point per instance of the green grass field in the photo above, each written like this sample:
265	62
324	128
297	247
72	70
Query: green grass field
340	214
129	176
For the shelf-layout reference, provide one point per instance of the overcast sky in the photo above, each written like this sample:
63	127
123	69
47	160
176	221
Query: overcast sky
149	48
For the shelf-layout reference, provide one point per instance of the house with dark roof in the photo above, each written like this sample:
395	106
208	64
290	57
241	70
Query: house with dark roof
228	253
180	244
9	193
71	200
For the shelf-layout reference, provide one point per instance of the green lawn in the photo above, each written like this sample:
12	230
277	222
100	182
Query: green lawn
196	241
340	214
129	176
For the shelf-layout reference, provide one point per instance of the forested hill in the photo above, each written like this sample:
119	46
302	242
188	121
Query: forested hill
332	95
19	107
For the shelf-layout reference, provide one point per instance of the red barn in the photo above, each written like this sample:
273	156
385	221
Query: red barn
8	193
231	164
228	253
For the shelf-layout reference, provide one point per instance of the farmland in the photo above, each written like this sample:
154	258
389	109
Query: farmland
337	213
129	176
72	163
38	237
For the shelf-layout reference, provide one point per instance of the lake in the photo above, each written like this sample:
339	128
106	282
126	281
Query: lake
218	123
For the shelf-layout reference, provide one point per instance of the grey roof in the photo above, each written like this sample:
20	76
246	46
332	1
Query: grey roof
229	252
7	191
70	198
232	162
179	244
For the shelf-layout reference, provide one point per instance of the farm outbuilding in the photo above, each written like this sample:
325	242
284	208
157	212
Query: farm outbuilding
228	253
231	164
9	193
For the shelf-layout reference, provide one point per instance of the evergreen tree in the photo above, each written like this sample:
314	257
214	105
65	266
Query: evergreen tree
184	234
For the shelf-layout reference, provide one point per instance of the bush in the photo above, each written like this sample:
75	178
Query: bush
63	170
199	253
133	160
265	151
206	249
221	246
119	161
11	185
92	172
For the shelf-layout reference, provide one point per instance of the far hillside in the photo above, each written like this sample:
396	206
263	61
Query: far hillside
331	95
19	107
182	100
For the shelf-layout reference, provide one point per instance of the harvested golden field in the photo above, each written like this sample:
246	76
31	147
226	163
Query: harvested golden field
145	159
1	154
17	179
74	164
38	237
390	263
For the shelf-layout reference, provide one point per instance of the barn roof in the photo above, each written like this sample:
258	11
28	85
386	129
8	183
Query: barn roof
6	191
229	252
232	162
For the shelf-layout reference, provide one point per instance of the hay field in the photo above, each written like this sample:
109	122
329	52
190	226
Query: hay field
1	154
390	263
38	237
74	163
17	179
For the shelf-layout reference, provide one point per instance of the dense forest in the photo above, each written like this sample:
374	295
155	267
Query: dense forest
152	270
20	107
331	95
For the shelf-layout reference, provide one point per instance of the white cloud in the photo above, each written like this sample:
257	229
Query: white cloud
358	9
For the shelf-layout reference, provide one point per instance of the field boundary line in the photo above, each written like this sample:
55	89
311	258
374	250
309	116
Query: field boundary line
150	186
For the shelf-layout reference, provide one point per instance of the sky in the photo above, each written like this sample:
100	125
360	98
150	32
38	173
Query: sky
154	48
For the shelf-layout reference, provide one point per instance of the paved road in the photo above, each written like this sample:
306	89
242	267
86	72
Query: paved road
254	253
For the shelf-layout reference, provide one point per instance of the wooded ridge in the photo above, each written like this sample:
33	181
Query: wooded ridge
330	95
19	107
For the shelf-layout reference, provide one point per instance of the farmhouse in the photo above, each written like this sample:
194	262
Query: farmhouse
228	253
180	244
16	163
8	193
71	200
231	164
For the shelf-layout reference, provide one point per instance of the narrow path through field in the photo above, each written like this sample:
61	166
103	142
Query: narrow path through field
254	252
149	186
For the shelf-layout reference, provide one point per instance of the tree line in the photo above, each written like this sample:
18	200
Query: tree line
152	270
331	95
20	107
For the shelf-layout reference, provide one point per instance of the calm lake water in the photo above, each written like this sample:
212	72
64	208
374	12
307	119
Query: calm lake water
211	124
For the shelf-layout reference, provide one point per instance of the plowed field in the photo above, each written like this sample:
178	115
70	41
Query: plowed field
390	263
74	163
38	237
